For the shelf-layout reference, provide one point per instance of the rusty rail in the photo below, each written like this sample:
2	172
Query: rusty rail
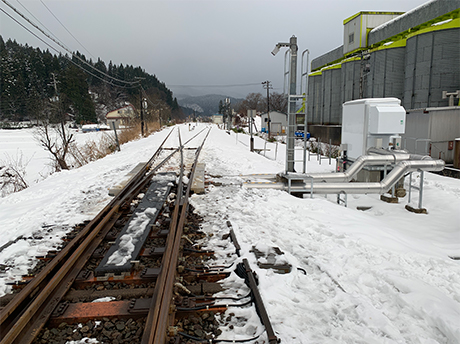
23	318
158	318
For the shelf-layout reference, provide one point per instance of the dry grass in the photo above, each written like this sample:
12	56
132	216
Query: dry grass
93	150
12	174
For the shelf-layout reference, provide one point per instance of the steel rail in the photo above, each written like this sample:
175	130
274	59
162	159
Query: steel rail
157	167
157	319
151	323
21	320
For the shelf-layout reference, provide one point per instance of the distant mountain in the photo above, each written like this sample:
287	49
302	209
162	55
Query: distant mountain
206	105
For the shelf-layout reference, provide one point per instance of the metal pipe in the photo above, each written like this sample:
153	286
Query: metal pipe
391	179
380	188
358	165
381	151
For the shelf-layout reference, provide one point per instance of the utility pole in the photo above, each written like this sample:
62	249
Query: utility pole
61	114
268	87
228	111
141	104
144	109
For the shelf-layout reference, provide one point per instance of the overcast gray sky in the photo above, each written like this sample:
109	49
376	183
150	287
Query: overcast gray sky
196	42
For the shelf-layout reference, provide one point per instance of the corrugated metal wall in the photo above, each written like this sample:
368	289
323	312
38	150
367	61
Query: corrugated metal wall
350	80
446	66
394	73
386	75
332	100
315	96
417	74
432	66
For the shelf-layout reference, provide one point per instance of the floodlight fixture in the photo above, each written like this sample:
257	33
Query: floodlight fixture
278	46
276	50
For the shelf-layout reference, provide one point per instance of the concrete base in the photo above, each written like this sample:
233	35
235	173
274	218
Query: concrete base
389	199
115	190
198	179
416	210
400	192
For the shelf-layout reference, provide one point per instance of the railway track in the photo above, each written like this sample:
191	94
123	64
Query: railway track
139	255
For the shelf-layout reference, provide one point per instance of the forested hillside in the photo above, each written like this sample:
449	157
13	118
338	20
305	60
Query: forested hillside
31	80
205	105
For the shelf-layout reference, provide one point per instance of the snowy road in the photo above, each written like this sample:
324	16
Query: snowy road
379	276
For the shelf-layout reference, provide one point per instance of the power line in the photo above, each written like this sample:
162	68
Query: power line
70	33
66	57
36	19
234	85
62	46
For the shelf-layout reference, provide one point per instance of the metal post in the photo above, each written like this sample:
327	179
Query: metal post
292	45
292	91
318	153
410	188
420	195
250	115
304	167
286	71
116	136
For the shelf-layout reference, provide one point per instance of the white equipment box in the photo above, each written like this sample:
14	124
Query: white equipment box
372	122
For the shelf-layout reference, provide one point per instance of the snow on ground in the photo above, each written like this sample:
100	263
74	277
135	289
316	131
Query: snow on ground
21	144
379	276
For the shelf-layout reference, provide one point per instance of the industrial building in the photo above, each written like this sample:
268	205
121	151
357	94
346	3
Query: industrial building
413	56
278	122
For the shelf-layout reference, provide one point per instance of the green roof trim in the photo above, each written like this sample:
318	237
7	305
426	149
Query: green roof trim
454	23
330	67
354	52
390	45
450	20
315	73
349	19
351	59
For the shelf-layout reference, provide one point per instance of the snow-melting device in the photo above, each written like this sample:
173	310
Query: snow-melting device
119	258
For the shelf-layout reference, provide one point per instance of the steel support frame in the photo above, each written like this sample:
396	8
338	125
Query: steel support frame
419	188
290	149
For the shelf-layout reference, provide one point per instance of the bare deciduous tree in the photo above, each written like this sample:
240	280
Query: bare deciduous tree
54	137
278	102
253	101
